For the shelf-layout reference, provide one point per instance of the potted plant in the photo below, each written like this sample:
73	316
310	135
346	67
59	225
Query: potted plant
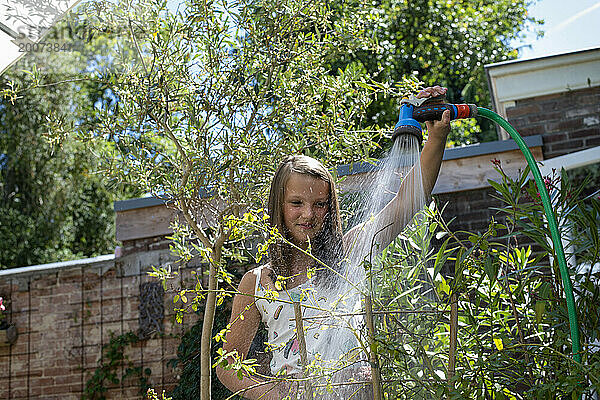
8	332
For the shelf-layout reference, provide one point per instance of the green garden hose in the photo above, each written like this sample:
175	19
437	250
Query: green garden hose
552	225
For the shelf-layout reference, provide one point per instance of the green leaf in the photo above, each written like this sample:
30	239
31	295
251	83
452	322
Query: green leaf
443	286
433	227
540	310
545	290
491	269
441	258
499	188
499	344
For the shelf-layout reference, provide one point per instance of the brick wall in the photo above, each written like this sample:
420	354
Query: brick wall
470	209
64	314
157	243
568	121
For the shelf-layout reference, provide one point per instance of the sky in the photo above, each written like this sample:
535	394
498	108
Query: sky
570	25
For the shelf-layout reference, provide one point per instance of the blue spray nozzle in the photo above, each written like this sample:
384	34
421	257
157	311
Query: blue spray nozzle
407	125
415	111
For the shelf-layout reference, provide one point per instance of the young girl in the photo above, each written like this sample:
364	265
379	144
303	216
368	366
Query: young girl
303	205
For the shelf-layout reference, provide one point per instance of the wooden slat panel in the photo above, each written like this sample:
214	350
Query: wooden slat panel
464	173
473	172
456	175
144	222
155	221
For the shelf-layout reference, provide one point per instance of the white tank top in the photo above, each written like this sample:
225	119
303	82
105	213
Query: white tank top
278	316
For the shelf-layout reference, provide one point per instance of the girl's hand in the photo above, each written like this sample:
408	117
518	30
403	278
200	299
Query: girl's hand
437	131
434	91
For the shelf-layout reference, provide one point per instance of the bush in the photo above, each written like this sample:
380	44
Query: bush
513	338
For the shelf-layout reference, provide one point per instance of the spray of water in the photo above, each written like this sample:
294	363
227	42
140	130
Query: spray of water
388	198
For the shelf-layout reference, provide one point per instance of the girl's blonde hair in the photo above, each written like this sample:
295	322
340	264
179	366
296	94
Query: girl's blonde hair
328	245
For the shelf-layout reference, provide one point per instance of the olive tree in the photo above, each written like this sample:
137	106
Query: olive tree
208	100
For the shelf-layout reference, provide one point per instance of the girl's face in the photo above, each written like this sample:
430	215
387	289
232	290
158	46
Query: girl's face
305	205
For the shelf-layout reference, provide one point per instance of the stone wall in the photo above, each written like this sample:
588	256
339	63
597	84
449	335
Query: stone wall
568	121
66	312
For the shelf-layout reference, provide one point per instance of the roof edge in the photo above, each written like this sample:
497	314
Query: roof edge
56	265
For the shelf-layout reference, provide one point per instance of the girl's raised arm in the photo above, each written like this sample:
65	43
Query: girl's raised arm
384	227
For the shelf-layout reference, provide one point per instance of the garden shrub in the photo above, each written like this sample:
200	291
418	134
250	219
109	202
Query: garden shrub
513	338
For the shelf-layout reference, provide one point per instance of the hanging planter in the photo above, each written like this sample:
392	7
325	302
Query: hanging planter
8	332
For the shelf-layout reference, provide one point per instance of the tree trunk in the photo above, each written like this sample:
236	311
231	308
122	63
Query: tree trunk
207	326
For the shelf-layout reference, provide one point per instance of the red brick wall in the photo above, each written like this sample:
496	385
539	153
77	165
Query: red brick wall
470	209
65	315
568	121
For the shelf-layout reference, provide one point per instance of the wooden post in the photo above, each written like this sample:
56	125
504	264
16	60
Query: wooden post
375	371
453	338
303	354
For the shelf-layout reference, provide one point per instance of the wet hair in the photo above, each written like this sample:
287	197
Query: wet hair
328	244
